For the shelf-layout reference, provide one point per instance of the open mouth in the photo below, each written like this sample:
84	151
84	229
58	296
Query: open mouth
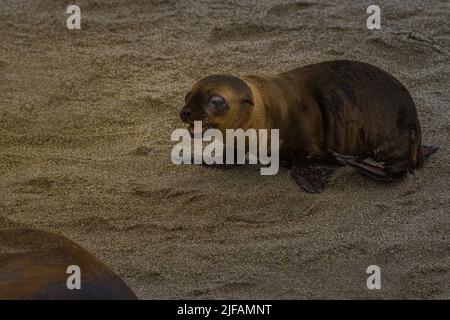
197	129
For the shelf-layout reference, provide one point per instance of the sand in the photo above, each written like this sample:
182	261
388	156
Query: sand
85	124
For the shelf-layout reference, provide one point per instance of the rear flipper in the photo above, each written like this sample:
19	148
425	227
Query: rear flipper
374	170
312	178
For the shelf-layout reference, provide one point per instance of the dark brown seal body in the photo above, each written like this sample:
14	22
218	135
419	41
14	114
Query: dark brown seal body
345	111
33	265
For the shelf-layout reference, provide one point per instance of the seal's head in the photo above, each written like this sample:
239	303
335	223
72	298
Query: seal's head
219	101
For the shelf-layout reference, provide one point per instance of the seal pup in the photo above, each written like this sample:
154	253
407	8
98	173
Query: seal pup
33	265
328	114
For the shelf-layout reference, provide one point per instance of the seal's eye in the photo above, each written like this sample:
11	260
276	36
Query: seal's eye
217	102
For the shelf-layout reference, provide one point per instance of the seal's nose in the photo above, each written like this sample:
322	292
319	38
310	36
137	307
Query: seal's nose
185	114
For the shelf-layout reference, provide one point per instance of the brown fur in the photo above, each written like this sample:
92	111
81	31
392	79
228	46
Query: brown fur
33	265
336	107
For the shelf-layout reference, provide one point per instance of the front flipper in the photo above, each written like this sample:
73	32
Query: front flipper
312	178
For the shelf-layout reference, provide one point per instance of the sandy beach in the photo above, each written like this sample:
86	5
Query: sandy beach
85	124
